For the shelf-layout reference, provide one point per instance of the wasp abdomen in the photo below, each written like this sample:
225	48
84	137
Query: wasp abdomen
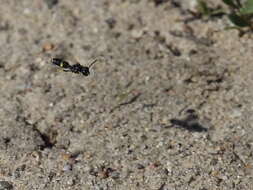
60	63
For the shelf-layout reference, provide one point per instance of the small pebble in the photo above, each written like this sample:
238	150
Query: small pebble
48	47
111	22
115	175
67	167
137	34
5	185
140	166
51	3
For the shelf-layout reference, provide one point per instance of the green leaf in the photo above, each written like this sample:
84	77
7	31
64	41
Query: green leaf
218	12
232	28
203	8
230	3
238	20
247	8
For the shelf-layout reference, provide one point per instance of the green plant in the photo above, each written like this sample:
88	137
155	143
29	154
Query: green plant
207	11
241	13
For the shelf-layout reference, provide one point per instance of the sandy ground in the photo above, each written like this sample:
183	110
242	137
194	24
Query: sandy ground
168	105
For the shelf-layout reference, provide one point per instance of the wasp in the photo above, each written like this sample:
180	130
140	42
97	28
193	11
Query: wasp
76	68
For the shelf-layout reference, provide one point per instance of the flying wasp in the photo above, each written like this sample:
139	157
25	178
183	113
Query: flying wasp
76	68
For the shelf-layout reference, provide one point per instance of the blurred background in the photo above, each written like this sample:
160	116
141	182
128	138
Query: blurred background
167	105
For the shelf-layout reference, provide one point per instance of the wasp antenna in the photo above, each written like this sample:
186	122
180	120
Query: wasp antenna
92	63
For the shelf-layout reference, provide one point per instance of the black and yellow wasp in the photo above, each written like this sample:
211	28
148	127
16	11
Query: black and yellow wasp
76	68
